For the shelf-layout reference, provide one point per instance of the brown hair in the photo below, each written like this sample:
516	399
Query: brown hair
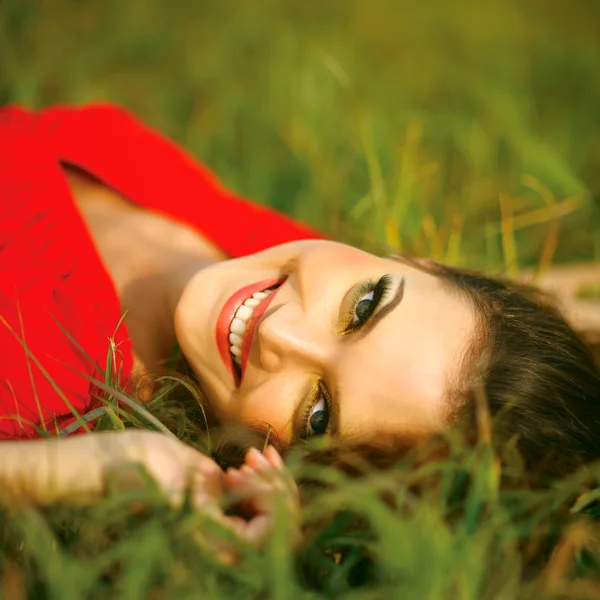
537	375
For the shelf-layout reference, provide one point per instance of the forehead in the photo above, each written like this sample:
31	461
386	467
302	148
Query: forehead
397	377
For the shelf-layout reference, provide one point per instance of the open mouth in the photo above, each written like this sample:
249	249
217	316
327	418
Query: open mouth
237	321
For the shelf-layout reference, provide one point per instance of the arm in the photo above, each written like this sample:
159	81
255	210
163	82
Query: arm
80	469
45	471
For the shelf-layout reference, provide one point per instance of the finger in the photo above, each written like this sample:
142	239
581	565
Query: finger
235	479
245	486
234	524
224	551
271	480
278	476
237	475
237	525
263	489
274	457
268	462
197	460
257	529
257	461
247	470
207	484
232	474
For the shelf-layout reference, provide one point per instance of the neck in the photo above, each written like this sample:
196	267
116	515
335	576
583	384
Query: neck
150	258
150	302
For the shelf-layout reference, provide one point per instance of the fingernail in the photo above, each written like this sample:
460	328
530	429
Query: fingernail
274	457
232	473
260	462
246	470
258	528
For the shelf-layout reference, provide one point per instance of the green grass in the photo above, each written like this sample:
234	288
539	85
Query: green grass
467	131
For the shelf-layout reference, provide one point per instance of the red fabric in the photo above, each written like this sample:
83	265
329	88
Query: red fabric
54	289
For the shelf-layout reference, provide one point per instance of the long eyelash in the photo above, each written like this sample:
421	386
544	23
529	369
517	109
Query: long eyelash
380	290
320	390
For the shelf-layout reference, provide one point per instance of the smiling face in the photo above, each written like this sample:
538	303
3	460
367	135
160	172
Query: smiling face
331	339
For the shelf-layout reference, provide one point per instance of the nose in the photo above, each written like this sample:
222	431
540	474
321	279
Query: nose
287	336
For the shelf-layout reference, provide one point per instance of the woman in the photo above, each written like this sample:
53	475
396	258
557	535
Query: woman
101	218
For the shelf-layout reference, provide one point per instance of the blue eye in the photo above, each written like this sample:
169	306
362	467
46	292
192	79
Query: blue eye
318	419
366	302
363	308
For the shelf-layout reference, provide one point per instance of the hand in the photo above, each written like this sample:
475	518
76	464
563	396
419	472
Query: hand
80	468
264	485
178	470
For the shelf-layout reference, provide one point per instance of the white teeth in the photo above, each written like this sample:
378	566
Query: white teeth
244	312
237	326
239	323
235	339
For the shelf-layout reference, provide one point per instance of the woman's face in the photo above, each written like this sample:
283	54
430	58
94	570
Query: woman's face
341	341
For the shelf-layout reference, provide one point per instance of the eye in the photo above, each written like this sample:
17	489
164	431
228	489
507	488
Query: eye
318	418
363	308
317	415
365	302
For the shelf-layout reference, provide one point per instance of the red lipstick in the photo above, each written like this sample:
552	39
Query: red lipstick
227	314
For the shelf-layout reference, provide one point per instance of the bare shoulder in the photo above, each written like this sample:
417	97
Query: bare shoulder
119	227
146	254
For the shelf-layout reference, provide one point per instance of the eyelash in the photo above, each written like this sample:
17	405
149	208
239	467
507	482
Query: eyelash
380	290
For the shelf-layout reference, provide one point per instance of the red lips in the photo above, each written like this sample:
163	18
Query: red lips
226	316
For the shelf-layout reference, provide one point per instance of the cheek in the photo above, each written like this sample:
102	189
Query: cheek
261	417
272	405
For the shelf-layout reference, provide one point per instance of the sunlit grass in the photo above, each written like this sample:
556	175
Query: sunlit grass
464	131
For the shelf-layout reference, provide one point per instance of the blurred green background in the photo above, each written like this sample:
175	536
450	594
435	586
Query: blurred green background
464	130
467	130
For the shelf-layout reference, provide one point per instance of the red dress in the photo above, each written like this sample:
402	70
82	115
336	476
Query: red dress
58	306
